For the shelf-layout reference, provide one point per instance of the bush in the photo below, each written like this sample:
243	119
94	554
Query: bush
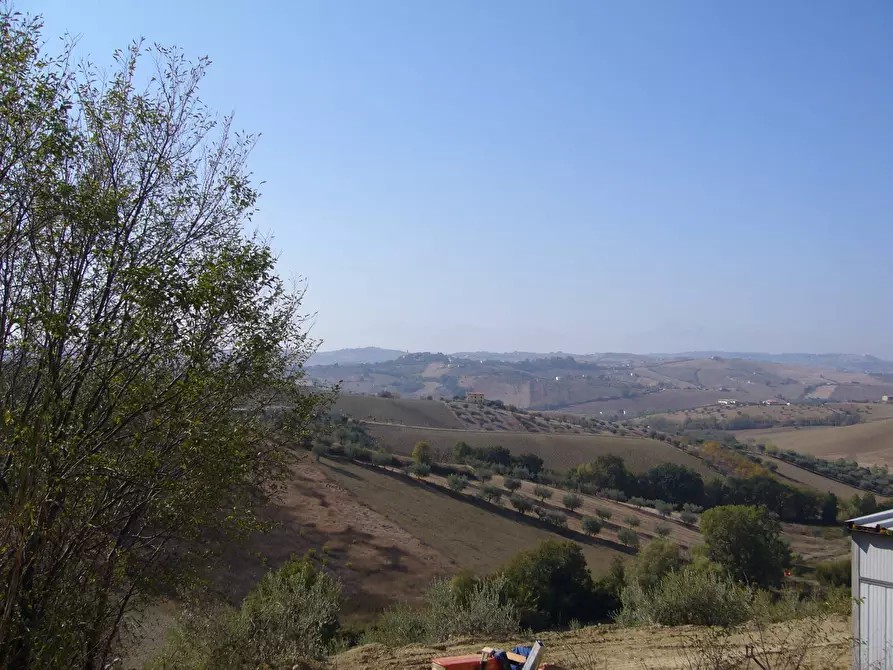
628	537
632	521
686	597
572	501
420	470
383	459
614	494
521	503
556	518
688	518
662	530
452	609
551	584
591	526
457	483
421	453
663	508
838	573
289	617
511	484
491	493
484	474
542	492
638	502
319	450
603	513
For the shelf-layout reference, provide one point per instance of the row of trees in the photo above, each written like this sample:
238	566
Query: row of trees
877	479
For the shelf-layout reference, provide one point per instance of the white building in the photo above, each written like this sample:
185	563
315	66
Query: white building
872	543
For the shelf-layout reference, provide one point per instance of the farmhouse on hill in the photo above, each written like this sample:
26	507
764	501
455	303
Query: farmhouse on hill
476	397
727	401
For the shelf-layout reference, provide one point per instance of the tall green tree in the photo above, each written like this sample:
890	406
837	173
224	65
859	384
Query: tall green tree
747	542
144	341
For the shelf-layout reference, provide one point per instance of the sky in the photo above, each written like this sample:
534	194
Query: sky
576	175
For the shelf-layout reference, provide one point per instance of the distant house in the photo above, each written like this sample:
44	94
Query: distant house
886	398
476	397
727	401
773	401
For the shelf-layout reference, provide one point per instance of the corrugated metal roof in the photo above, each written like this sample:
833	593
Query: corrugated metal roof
876	521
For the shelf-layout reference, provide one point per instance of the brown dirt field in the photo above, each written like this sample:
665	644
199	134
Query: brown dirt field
778	413
469	535
430	413
598	647
559	452
867	443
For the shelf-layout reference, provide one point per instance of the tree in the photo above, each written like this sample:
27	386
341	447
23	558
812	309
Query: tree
662	530
521	503
421	453
632	521
542	492
638	502
572	501
663	508
829	509
147	344
457	483
675	483
491	493
746	540
628	537
531	462
484	474
511	484
603	513
462	451
688	518
551	583
591	526
420	470
657	559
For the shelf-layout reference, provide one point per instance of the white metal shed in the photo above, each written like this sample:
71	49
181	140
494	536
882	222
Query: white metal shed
872	544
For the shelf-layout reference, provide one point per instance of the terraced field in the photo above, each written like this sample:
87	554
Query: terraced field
430	413
559	452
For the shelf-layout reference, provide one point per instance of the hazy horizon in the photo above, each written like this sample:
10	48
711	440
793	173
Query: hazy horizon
575	176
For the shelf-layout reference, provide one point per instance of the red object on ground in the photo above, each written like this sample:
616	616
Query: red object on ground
470	662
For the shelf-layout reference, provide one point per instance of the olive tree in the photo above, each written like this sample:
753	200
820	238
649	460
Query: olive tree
146	343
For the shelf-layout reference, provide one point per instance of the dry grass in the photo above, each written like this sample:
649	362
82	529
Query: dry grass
804	478
559	452
430	413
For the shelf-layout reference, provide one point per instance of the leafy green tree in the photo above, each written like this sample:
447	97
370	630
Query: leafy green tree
628	537
147	344
531	462
638	502
747	541
663	508
491	493
632	521
675	483
511	484
591	526
421	453
689	518
657	559
457	483
420	470
542	492
551	584
462	451
603	513
572	501
662	530
521	503
829	508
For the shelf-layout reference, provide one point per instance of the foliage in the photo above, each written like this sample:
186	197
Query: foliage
319	450
484	474
457	483
874	478
674	483
663	508
290	616
555	518
511	484
421	453
491	493
632	521
452	609
628	537
384	459
591	525
521	503
837	573
688	518
638	502
420	470
603	513
542	492
147	344
747	542
657	559
551	584
686	597
572	501
662	530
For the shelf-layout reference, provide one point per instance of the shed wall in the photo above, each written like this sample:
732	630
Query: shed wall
873	605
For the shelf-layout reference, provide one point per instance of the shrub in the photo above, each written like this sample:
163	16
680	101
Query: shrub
421	453
290	616
662	530
838	573
628	537
603	513
572	501
632	521
638	502
457	483
542	492
551	584
521	503
556	518
491	493
691	507
591	526
452	608
663	508
484	474
614	494
688	518
319	450
511	484
687	597
657	559
383	459
420	470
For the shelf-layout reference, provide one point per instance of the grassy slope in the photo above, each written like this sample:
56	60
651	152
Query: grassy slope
466	534
798	476
558	451
868	443
431	413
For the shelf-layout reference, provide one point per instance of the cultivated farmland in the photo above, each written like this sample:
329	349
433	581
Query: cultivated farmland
430	413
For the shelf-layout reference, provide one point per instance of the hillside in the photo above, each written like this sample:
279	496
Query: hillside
868	443
354	356
430	413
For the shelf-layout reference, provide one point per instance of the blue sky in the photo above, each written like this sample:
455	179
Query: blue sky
580	175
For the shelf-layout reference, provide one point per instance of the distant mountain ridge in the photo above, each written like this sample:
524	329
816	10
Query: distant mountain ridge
354	356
